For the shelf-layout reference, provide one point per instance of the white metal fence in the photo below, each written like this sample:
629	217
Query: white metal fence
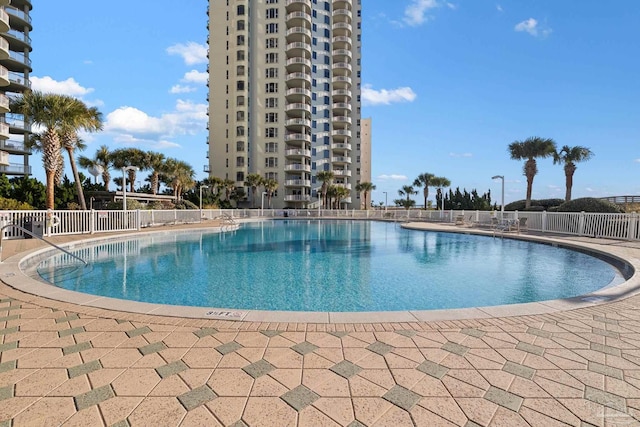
49	223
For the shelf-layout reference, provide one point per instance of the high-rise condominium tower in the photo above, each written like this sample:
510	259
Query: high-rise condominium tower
15	66
284	97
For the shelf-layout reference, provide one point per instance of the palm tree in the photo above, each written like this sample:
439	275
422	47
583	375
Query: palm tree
529	150
424	180
270	186
366	188
341	193
155	162
102	159
440	182
569	156
48	111
326	178
253	181
79	117
179	176
229	186
124	157
406	191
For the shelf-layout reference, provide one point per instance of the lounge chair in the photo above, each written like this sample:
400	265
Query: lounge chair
522	224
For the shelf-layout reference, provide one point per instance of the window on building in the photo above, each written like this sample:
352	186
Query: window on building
240	131
239	26
271	147
271	87
240	146
271	103
271	175
271	162
272	43
239	101
240	55
271	57
271	132
240	40
271	117
240	116
240	70
239	176
271	73
239	162
272	13
240	10
272	28
240	85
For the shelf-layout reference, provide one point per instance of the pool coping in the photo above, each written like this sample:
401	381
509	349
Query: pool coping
12	275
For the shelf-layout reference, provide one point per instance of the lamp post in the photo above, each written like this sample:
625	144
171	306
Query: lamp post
385	200
201	187
501	177
264	193
124	184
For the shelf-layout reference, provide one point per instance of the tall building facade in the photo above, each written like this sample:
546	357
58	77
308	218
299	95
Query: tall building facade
284	96
15	67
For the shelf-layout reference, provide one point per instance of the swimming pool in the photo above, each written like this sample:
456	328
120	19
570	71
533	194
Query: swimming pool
340	266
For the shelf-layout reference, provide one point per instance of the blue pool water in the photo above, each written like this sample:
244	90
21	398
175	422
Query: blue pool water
328	266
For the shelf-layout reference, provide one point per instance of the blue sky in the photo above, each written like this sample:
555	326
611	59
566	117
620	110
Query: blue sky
448	84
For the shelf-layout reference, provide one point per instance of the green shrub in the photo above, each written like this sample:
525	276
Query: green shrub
534	209
546	204
14	205
185	204
132	205
589	204
162	205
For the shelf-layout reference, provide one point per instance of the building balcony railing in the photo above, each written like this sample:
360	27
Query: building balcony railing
299	15
299	76
298	91
18	35
4	76
341	39
342	12
298	152
14	146
16	169
341	79
341	173
341	119
16	121
341	159
341	106
297	183
297	198
342	52
341	132
206	169
341	92
20	14
18	78
298	122
299	61
342	65
297	137
4	48
4	131
299	45
298	106
299	30
342	26
297	167
20	57
298	2
4	103
341	146
4	21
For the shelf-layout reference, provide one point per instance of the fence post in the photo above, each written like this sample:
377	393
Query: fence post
92	222
633	222
581	224
138	227
544	221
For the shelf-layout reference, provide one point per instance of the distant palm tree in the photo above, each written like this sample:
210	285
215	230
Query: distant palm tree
529	150
440	182
270	186
569	156
229	186
179	176
341	193
155	162
253	181
365	188
326	178
102	159
124	157
50	112
80	117
406	191
424	180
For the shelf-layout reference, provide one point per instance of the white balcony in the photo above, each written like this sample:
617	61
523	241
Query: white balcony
341	173
4	49
4	131
340	146
341	39
297	183
298	106
341	159
342	52
299	15
342	119
4	76
341	132
299	30
299	61
342	12
298	2
341	79
297	198
341	92
4	103
299	45
297	137
297	167
341	65
298	122
299	152
4	21
298	91
299	76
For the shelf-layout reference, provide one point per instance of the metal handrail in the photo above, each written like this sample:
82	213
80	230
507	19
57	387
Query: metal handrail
24	230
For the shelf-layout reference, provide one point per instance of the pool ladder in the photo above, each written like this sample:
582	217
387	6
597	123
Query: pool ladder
24	230
227	222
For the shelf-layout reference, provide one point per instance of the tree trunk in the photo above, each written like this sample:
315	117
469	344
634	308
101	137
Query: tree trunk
154	182
569	170
426	195
76	177
51	176
106	177
530	170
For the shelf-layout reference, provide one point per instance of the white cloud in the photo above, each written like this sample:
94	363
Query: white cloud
393	177
182	89
499	8
416	13
532	27
590	190
188	118
385	97
192	53
460	155
195	76
156	144
68	87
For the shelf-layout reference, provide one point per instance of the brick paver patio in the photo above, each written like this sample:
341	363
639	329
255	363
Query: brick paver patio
65	364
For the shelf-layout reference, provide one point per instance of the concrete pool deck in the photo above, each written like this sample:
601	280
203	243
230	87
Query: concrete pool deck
576	363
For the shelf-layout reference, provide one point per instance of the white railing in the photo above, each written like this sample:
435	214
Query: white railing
602	225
